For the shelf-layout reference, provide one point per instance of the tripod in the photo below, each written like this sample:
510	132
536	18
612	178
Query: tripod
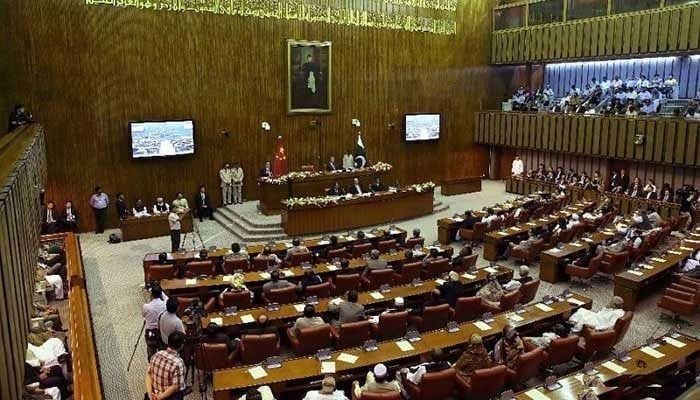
195	235
138	339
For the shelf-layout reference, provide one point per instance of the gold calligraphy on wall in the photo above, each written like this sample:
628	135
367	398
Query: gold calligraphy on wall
308	11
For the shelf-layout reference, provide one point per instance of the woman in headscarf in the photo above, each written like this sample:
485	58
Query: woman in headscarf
473	357
509	348
492	292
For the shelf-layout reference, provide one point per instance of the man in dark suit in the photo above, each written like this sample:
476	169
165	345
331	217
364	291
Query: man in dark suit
624	180
336	190
330	167
469	220
451	290
49	218
122	207
374	263
267	171
69	218
355	188
377	186
203	204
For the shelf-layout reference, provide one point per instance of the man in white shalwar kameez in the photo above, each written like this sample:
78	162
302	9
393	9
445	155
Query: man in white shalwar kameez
602	320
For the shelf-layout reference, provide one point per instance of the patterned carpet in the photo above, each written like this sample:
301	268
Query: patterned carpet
115	287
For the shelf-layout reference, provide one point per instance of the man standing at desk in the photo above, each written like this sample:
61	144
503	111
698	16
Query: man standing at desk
330	167
99	202
267	171
174	222
377	186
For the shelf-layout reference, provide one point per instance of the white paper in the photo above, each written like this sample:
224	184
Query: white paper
673	342
257	372
458	219
490	270
323	242
635	273
299	307
531	224
190	282
328	367
659	260
482	326
646	266
336	301
686	248
288	245
652	352
439	281
535	394
554	250
515	317
376	295
370	236
373	319
543	307
678	253
587	240
218	321
287	273
227	278
331	267
404	345
395	231
246	319
264	275
577	244
468	276
347	358
575	302
503	233
618	369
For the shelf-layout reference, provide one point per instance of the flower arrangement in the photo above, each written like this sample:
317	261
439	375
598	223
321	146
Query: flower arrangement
319	201
422	187
381	167
292	176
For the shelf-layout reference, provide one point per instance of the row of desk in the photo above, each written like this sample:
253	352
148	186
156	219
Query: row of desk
553	261
228	381
134	228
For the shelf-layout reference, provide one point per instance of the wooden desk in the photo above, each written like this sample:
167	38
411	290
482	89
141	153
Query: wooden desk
452	187
631	285
317	245
553	261
227	380
357	212
571	385
271	194
295	310
153	226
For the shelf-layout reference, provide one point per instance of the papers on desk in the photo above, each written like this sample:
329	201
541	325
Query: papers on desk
418	253
458	219
373	319
543	307
288	245
299	307
265	275
635	272
575	302
482	326
673	342
531	224
440	282
287	273
247	319
503	233
612	366
468	276
553	250
678	253
587	240
657	259
535	394
651	352
686	248
227	278
336	301
192	281
514	228
577	244
257	372
490	270
328	367
608	233
376	295
515	317
323	242
544	220
218	321
692	241
646	266
404	345
370	235
395	231
347	358
331	267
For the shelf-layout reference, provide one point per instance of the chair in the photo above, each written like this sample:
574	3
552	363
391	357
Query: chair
359	249
527	366
433	317
679	303
386	245
309	340
320	290
159	272
337	253
527	256
378	396
351	334
622	325
560	351
467	309
595	345
567	235
467	262
378	277
209	357
345	283
584	274
409	272
260	263
412	242
508	302
475	235
436	268
298	258
184	303
433	385
282	296
528	291
197	268
230	266
612	263
483	384
257	348
241	299
391	325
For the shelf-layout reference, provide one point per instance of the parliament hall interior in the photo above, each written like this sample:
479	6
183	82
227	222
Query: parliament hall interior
350	200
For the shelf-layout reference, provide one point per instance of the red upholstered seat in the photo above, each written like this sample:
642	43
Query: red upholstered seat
391	325
409	272
351	334
467	309
508	302
385	246
196	268
436	268
376	278
257	348
483	384
281	296
298	258
433	317
612	263
528	291
345	283
320	290
412	242
595	345
584	274
527	366
309	340
212	356
241	299
337	253
230	266
527	256
475	235
433	385
359	249
561	350
159	272
378	396
622	325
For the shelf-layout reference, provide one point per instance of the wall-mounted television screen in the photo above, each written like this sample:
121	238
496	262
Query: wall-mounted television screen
422	127
161	138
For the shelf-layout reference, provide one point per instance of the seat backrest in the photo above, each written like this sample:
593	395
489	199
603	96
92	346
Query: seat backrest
256	348
283	296
469	261
183	303
359	249
200	267
509	300
437	268
298	258
488	382
594	265
480	229
230	266
528	291
409	272
320	290
385	245
379	277
240	299
212	356
615	262
562	350
622	325
528	364
438	385
467	309
380	396
261	263
313	339
160	272
435	317
353	334
392	325
344	283
336	253
412	242
599	344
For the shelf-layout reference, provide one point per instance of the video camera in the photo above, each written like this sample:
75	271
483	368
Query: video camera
195	312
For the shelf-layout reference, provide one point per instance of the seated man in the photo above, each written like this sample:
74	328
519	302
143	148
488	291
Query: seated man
374	263
262	327
355	189
161	207
348	310
236	253
492	292
489	217
140	210
523	245
327	392
295	249
275	282
180	204
377	381
585	260
69	218
415	234
460	260
309	320
433	255
49	219
524	274
437	361
452	289
602	320
310	278
335	190
267	254
377	186
469	220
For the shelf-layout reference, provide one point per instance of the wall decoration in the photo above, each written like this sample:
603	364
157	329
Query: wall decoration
308	77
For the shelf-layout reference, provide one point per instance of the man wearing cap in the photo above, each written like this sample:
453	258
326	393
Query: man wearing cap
377	381
327	392
602	320
524	274
452	289
436	363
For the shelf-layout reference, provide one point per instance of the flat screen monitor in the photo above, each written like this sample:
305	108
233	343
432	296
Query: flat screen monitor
161	138
422	127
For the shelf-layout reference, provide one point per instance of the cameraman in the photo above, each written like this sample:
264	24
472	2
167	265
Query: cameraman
151	314
168	321
165	378
20	116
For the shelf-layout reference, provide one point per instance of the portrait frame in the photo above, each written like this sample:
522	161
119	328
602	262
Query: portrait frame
309	77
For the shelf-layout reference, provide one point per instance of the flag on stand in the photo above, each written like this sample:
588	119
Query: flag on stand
360	153
279	166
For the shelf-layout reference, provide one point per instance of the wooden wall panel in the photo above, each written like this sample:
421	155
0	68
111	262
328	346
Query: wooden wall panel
91	69
646	32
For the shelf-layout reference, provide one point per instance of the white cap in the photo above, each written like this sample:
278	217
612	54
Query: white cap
380	370
398	302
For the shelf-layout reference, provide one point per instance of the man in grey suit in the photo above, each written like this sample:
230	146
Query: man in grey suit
374	263
348	311
295	249
309	320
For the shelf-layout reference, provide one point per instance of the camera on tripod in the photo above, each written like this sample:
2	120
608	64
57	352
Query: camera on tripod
195	312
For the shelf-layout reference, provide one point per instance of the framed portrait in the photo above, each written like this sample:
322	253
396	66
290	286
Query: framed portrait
308	77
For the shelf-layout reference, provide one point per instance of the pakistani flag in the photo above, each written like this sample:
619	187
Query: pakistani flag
360	154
